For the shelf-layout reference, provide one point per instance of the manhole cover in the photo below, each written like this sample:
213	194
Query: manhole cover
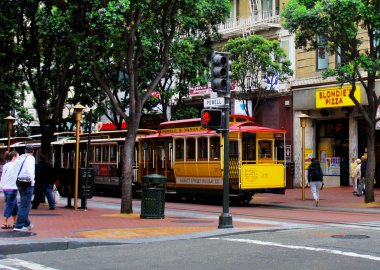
192	221
350	236
12	234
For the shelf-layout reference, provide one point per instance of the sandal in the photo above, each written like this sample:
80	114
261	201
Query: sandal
6	226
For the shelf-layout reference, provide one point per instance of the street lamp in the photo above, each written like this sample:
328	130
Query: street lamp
78	109
10	121
303	117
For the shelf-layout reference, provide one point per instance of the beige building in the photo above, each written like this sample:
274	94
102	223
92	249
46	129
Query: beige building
335	131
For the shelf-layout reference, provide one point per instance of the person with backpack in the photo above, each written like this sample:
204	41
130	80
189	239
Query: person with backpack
315	178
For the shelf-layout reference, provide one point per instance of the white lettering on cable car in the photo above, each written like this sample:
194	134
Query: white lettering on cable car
199	181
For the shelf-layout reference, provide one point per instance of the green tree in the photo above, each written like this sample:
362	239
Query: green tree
253	57
137	36
352	28
44	36
10	75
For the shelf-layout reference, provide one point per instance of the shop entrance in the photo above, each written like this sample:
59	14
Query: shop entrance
333	148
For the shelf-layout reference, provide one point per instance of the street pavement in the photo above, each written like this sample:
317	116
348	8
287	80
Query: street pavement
102	224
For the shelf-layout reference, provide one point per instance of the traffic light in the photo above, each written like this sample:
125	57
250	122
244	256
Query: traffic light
220	72
212	119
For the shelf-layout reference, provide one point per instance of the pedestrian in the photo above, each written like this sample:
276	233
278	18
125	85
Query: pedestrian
8	186
45	180
357	175
361	179
25	167
315	178
353	166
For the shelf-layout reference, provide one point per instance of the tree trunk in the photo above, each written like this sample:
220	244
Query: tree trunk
127	172
371	165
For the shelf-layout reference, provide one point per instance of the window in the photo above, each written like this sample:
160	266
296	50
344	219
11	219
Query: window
105	153
98	153
265	149
215	148
249	146
322	56
202	149
190	149
113	153
179	149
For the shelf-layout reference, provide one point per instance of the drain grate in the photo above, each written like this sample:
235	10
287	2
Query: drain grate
44	215
13	234
350	236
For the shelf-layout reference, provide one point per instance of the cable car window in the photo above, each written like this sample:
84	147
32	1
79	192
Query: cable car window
202	148
265	149
98	153
190	149
106	153
179	149
91	157
249	146
215	148
113	153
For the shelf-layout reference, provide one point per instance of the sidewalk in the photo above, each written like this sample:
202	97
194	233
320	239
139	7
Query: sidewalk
102	223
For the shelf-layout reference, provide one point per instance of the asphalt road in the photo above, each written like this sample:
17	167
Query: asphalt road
317	247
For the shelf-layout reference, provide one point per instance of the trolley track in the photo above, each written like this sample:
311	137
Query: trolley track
274	213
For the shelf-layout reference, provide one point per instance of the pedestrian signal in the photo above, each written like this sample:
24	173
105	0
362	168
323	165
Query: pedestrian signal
212	119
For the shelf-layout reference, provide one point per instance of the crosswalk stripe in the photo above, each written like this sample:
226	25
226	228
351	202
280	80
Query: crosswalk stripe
325	250
26	264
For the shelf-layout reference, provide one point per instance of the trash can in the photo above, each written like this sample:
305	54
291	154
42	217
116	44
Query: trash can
153	196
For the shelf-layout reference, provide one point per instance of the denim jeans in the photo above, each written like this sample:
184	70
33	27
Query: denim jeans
26	194
315	186
11	206
48	189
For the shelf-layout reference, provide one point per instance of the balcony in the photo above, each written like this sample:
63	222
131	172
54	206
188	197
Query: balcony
257	22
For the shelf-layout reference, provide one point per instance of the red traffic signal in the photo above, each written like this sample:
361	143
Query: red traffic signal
212	119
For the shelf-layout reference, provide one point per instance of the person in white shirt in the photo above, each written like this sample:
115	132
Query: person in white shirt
8	186
25	167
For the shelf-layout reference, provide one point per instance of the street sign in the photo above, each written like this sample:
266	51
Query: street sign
214	102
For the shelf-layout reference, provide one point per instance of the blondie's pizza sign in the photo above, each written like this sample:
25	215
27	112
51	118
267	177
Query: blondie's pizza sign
336	97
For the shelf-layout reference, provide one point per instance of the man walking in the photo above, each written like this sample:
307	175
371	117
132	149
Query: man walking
25	167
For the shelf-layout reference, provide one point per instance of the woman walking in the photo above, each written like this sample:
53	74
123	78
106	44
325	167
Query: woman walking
315	178
8	185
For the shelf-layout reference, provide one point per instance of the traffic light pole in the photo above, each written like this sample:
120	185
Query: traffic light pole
225	219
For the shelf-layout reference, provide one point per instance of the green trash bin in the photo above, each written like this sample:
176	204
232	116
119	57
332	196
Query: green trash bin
153	196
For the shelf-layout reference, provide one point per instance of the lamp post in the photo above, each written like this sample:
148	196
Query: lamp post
78	109
303	117
10	121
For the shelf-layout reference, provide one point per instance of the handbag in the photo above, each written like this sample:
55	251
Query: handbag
23	182
56	194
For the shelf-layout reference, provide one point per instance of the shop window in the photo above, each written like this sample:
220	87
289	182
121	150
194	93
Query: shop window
214	148
179	149
202	148
190	149
322	55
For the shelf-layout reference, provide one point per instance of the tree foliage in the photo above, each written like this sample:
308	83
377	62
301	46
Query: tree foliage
134	38
352	28
253	58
